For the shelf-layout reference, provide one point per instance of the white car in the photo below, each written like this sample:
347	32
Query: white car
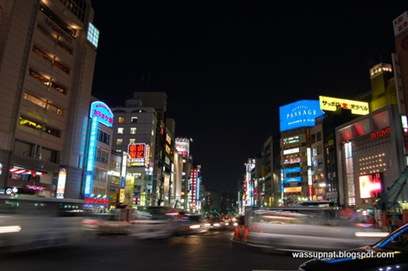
300	228
153	222
187	224
106	224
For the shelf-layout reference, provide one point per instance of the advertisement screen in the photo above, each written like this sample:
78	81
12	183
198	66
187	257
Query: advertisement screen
183	146
370	185
299	114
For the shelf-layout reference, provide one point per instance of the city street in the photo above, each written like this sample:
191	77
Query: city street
211	251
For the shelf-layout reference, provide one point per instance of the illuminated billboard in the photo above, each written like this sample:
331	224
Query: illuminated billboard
299	114
370	185
99	113
332	104
296	179
138	154
183	146
102	112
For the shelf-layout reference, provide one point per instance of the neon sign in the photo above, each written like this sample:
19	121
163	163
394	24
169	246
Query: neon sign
299	114
102	112
380	133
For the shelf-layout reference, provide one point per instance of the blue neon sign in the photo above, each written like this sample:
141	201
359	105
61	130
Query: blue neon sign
299	114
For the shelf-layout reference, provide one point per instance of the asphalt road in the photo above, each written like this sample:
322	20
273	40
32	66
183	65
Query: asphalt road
213	251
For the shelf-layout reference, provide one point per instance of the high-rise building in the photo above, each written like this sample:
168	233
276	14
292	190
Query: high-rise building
400	25
47	59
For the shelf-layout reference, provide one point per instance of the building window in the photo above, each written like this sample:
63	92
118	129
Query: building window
43	103
55	39
120	130
47	81
119	141
39	126
102	155
53	60
313	138
133	119
132	141
133	130
319	136
103	137
49	155
93	35
121	119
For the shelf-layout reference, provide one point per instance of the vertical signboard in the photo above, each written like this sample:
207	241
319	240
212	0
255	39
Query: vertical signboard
99	113
62	177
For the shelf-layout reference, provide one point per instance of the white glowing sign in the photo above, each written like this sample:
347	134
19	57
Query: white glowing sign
62	177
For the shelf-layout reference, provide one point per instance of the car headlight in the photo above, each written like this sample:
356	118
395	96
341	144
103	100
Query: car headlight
9	229
371	234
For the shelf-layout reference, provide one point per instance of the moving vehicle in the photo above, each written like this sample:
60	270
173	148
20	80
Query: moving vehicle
106	223
153	222
30	222
390	253
298	228
188	224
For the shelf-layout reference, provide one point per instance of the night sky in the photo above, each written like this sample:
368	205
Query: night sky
227	66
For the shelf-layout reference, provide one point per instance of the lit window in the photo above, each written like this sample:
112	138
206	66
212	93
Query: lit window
120	130
132	141
93	35
121	119
119	141
134	119
133	130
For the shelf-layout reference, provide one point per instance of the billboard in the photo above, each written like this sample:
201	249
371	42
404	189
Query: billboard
299	114
400	23
332	104
370	185
138	154
183	146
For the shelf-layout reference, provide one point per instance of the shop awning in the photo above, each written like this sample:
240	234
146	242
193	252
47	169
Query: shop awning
22	171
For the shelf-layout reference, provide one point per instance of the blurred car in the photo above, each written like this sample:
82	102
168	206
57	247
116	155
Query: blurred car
153	222
390	253
230	223
187	224
303	228
106	223
217	224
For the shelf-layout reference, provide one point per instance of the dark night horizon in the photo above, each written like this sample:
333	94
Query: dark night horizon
228	67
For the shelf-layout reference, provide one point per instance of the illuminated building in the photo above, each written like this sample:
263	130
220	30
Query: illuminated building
47	58
182	145
400	59
142	130
295	122
372	144
134	135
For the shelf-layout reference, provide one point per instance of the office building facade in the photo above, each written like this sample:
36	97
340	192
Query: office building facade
47	59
